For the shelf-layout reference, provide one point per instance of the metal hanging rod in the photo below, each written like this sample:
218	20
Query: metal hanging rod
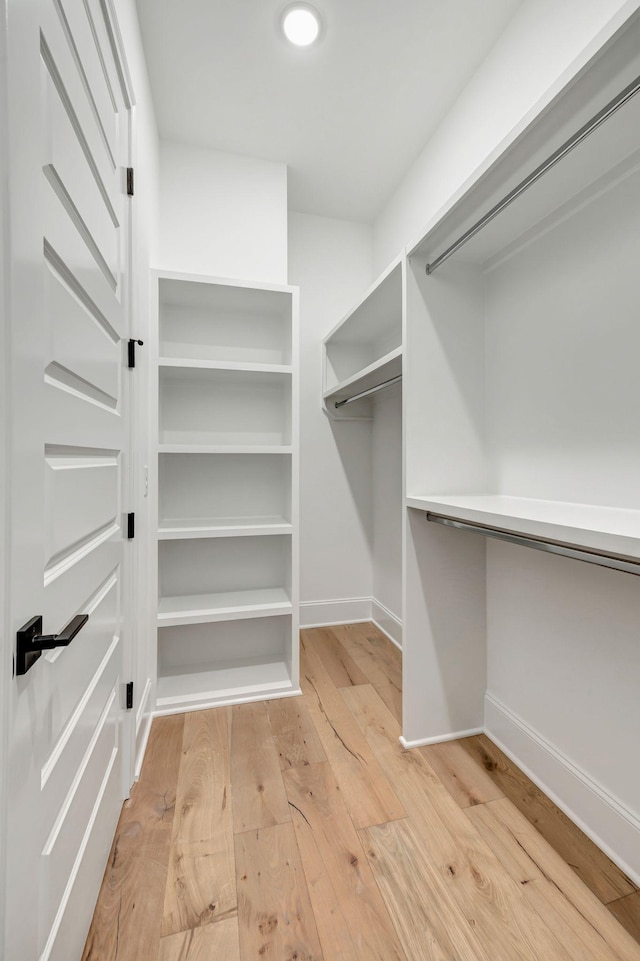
539	544
550	162
371	390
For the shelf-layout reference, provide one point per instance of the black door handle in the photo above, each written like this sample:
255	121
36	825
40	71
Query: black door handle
31	642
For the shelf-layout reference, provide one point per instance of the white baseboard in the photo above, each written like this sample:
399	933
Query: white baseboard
387	622
440	738
347	610
609	823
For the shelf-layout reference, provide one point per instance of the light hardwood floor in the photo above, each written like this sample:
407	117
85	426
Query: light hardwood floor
300	830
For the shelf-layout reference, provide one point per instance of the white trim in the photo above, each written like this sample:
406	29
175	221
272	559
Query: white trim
6	640
345	610
387	622
439	738
206	704
610	824
142	747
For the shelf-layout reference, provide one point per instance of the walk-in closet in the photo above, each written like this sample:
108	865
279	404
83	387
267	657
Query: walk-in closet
320	480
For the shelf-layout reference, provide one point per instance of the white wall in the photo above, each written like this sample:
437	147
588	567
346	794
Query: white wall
539	44
387	503
5	678
331	262
222	214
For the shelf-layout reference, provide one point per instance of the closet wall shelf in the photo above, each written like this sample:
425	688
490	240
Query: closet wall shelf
229	606
232	682
188	528
187	363
609	531
374	374
224	449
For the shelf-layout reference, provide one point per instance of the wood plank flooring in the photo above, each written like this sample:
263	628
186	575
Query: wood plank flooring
301	830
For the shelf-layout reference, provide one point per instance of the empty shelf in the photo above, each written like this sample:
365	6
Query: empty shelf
607	530
224	449
187	363
380	370
187	528
229	606
232	681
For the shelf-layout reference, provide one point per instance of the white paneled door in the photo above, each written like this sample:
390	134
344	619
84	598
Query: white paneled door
68	729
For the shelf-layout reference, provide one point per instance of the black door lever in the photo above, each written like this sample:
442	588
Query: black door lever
31	642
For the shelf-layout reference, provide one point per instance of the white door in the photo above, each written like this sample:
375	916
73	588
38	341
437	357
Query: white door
68	242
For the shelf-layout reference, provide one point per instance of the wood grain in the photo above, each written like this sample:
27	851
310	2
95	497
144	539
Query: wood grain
466	781
339	665
128	915
209	943
430	925
627	912
504	924
352	920
597	871
586	926
379	660
367	793
201	884
275	918
294	736
259	799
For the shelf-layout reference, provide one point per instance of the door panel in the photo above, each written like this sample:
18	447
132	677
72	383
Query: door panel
69	127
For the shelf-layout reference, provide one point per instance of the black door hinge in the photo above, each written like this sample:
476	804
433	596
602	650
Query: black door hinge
131	360
129	695
131	526
129	181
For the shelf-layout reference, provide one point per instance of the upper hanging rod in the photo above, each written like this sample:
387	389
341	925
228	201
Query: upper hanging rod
371	390
551	161
539	544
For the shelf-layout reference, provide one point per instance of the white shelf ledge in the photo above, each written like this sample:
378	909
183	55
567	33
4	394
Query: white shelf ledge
380	370
188	528
225	449
608	530
229	606
186	363
231	682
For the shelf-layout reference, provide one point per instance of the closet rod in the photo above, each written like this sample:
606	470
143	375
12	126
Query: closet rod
371	390
550	162
539	544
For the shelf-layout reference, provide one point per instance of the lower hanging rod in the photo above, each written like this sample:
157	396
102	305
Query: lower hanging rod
540	544
550	162
371	390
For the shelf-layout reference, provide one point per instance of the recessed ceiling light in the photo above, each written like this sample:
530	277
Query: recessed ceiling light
301	24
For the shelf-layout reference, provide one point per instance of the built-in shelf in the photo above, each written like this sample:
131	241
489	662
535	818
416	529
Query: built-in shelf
380	370
364	349
186	363
228	606
609	530
246	679
226	543
224	449
186	528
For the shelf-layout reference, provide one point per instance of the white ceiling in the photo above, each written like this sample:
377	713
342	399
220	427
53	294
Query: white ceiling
348	116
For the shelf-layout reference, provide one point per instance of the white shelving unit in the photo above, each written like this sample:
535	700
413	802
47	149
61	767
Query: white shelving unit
521	422
227	497
365	347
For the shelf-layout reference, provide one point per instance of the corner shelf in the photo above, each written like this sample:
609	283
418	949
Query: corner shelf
185	363
365	348
608	530
225	449
380	370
